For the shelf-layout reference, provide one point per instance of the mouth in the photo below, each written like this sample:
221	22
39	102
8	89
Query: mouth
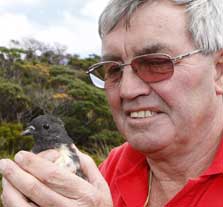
142	114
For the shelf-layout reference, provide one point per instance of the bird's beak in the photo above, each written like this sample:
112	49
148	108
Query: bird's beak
28	131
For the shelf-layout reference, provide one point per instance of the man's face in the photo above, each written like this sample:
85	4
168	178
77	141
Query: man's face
182	108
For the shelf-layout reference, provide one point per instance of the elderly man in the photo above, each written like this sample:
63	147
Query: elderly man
162	66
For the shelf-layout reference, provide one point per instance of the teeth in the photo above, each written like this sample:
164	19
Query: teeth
148	113
142	114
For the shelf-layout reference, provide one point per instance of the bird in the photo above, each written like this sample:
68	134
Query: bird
49	132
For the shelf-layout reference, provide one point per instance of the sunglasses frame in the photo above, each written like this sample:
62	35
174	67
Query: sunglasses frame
100	83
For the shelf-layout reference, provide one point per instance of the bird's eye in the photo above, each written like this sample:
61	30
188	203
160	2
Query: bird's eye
46	126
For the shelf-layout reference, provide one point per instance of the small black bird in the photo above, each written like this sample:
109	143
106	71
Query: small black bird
49	133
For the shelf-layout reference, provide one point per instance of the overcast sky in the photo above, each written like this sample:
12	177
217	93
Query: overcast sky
72	23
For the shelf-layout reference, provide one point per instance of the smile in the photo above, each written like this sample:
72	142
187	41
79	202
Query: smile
142	114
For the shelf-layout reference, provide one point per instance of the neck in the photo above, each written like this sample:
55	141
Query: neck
183	161
181	167
171	172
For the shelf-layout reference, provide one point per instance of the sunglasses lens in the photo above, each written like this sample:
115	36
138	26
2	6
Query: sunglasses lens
153	68
150	68
98	71
113	71
110	71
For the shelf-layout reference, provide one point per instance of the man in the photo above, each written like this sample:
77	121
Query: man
163	64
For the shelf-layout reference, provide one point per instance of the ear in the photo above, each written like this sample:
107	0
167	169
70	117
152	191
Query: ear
219	73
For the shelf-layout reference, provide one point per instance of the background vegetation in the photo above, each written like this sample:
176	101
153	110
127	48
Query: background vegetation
38	79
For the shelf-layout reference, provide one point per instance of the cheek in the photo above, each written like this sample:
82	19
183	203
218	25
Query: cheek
114	102
113	98
190	97
187	85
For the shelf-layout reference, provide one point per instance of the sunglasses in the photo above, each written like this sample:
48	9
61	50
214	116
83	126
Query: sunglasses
150	68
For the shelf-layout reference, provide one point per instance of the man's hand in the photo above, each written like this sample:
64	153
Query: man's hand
36	178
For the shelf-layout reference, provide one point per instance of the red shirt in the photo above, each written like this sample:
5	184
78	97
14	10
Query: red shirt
126	172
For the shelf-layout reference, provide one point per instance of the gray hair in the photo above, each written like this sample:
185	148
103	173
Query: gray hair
205	20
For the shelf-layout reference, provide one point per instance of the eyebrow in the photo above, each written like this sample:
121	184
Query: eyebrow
154	48
110	57
148	49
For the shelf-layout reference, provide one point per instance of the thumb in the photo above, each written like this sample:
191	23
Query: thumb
91	170
51	155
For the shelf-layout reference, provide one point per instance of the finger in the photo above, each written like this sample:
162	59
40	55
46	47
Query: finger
11	197
51	155
30	186
56	178
33	205
95	178
91	171
87	165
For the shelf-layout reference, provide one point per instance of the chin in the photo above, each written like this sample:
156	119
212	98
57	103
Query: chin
150	144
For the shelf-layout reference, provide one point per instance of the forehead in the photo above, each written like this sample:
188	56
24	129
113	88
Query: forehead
160	26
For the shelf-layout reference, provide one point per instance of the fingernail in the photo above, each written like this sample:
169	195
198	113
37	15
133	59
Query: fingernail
3	164
19	156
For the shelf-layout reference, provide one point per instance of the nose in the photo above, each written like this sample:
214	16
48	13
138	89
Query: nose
131	85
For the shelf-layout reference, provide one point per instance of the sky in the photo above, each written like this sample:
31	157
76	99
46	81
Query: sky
72	23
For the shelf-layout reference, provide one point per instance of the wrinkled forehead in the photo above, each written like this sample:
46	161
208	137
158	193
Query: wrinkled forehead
154	27
117	10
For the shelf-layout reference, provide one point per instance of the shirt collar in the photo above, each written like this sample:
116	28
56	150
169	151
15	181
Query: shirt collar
131	158
132	181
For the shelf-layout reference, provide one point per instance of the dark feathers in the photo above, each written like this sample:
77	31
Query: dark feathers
49	133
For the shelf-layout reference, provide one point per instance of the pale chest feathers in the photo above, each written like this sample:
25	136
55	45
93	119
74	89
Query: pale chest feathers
68	159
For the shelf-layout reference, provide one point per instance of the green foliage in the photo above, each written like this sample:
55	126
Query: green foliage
87	115
56	70
35	85
34	74
63	89
79	63
12	53
13	101
108	137
11	140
